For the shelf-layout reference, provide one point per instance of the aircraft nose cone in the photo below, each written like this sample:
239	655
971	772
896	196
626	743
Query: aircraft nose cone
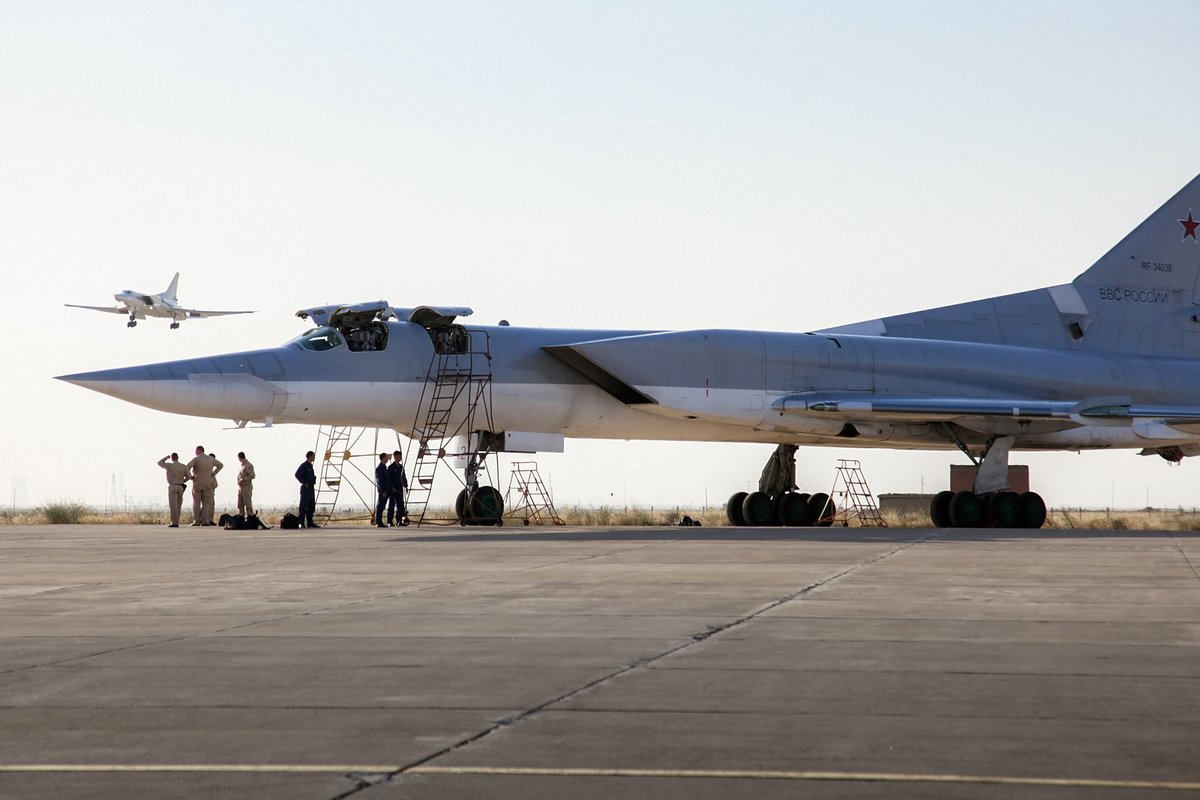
225	387
116	382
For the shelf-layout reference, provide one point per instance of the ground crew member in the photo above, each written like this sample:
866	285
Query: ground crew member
177	475
383	483
245	482
396	509
308	496
203	469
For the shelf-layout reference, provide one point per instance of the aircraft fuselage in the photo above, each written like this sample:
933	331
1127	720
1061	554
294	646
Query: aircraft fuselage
717	385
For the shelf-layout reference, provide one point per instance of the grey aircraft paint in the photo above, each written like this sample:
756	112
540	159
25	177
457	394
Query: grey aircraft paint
1110	360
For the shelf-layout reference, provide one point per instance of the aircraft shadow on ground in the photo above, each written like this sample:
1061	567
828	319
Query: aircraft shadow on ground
697	534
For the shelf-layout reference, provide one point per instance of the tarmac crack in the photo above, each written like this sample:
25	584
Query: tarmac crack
641	663
1183	553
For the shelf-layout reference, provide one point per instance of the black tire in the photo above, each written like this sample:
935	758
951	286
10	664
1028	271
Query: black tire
486	506
939	509
1002	510
1033	510
821	510
460	508
733	509
757	509
966	510
792	509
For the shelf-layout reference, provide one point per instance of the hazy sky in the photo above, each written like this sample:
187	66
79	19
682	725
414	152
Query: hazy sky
784	166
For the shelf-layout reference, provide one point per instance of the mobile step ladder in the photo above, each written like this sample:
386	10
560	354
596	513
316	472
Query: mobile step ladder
857	500
533	503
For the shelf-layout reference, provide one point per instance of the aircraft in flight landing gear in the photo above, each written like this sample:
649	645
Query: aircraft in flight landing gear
139	306
1109	360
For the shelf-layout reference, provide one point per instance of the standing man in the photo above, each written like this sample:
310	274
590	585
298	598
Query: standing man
308	496
396	509
177	475
245	482
203	469
383	483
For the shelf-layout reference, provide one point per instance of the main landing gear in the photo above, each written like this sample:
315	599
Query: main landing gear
776	502
991	504
1002	509
132	321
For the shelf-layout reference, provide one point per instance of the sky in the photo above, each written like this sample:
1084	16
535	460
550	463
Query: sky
759	165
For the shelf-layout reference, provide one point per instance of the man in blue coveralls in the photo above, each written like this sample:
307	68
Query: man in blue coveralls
383	483
395	507
308	497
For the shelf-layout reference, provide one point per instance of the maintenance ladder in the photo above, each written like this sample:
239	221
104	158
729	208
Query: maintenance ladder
459	372
534	502
341	473
857	500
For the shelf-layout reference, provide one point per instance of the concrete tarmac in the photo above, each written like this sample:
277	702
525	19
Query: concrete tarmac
140	661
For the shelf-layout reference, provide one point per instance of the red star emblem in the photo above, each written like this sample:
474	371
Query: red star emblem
1189	226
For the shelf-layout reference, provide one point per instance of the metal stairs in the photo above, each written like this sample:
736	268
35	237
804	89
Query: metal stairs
455	403
857	500
533	500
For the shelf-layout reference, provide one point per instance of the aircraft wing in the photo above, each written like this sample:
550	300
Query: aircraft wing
194	313
670	373
109	309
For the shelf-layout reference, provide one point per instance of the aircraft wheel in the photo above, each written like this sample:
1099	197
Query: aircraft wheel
757	509
939	509
486	506
131	324
174	325
1032	510
1002	509
821	510
966	510
733	509
792	509
460	507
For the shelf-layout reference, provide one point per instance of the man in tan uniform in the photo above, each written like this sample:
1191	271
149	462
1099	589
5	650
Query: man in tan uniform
245	481
177	475
203	469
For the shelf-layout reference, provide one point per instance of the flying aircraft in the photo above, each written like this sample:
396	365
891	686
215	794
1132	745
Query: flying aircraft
1108	360
139	306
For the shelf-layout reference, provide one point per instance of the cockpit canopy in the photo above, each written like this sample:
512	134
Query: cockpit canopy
364	338
319	339
361	326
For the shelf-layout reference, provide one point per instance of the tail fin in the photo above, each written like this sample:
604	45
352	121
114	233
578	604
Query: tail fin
169	292
1142	295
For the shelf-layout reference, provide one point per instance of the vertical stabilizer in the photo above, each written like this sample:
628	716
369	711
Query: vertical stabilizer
1140	297
169	293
